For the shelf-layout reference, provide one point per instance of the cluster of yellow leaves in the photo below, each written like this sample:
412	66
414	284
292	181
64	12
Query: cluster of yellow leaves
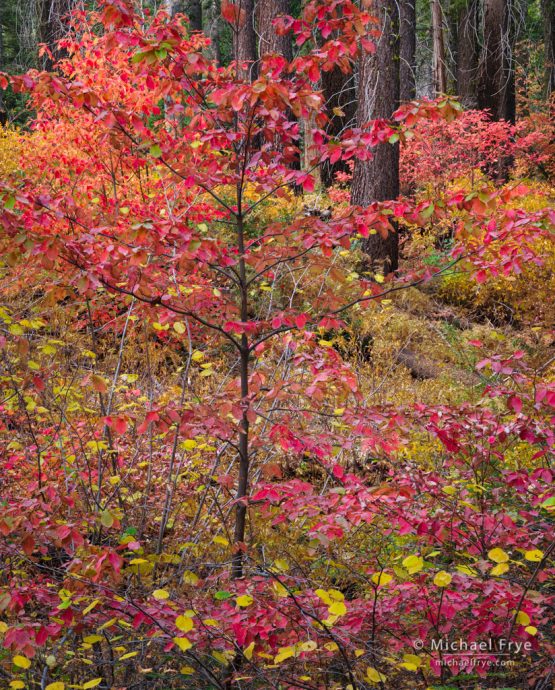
11	144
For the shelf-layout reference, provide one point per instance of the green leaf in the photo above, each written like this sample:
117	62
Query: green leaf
222	595
155	151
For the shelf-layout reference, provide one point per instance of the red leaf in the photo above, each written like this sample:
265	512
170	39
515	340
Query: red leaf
300	320
515	403
28	545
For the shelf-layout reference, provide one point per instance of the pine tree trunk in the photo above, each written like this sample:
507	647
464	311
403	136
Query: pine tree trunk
244	41
340	96
213	26
407	50
268	40
53	27
3	114
467	54
193	9
548	13
378	97
438	43
496	79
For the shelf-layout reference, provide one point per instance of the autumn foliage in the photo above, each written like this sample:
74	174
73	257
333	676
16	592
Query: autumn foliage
201	485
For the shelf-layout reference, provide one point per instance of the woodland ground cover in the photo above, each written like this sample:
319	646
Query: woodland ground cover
235	453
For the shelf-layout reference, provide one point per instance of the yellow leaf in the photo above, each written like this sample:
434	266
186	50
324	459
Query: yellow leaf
309	646
336	595
56	686
183	643
189	444
190	578
499	569
413	564
408	666
325	343
184	623
179	327
412	659
91	606
197	356
21	661
129	655
92	683
535	555
91	639
280	590
467	570
442	579
106	518
522	618
219	656
248	651
324	596
245	600
498	556
381	579
17	684
375	676
338	608
221	540
186	670
379	278
160	594
284	653
531	629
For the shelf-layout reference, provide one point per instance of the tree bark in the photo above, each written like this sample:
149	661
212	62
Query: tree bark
438	43
213	26
548	13
467	54
407	50
496	79
340	96
53	26
244	41
268	40
193	9
378	97
3	114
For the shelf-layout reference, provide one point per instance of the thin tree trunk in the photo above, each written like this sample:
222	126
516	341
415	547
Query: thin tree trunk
467	54
407	50
378	97
438	43
496	79
243	444
268	40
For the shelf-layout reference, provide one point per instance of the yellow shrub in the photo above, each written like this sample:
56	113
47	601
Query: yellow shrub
11	143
